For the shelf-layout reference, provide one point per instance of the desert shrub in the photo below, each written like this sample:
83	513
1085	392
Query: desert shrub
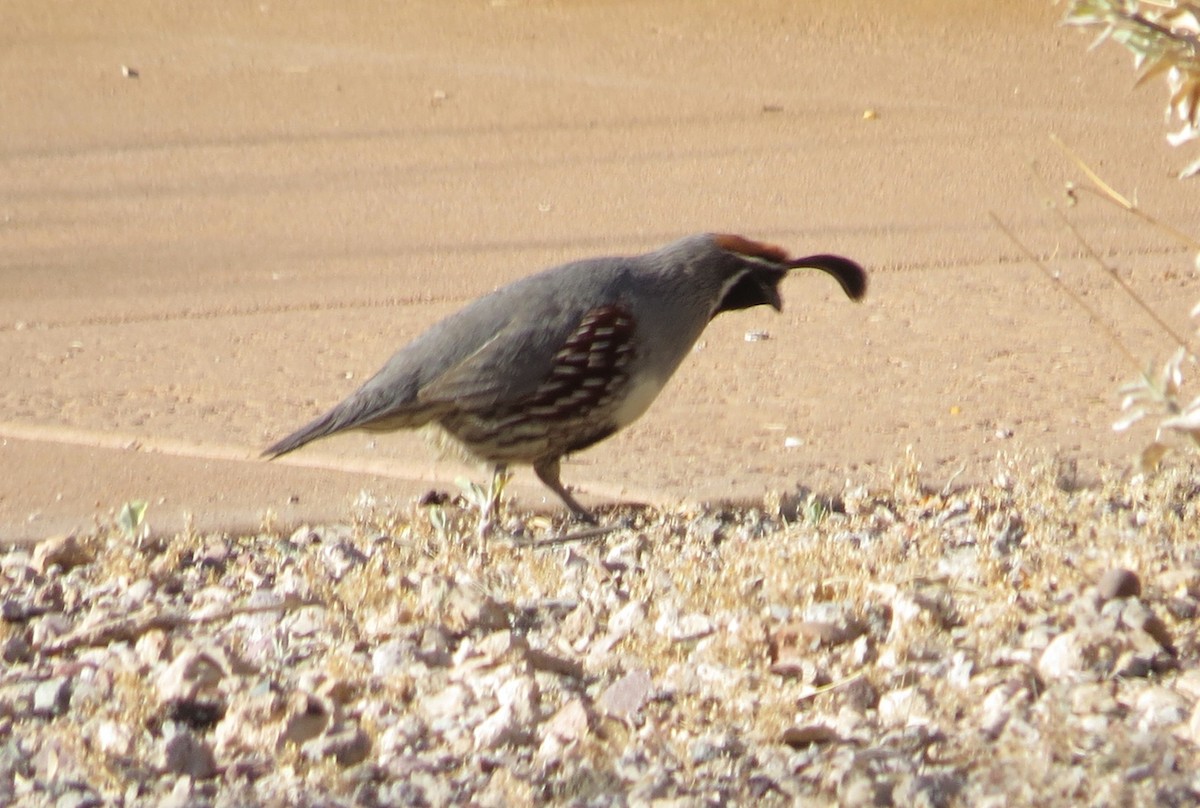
1164	37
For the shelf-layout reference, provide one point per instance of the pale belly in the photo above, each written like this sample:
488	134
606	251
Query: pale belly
640	396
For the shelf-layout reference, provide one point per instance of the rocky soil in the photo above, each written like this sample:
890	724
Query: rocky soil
1023	642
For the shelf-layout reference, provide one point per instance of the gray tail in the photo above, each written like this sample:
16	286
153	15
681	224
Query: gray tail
356	412
326	425
850	275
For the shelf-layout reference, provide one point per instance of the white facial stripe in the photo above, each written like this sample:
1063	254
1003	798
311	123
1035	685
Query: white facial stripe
759	259
725	287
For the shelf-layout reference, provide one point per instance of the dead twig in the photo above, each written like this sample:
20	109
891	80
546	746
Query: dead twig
128	628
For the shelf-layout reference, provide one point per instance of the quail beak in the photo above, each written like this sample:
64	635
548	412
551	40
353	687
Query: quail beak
772	297
768	281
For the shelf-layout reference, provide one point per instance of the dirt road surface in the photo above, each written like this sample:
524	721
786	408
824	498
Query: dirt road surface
216	222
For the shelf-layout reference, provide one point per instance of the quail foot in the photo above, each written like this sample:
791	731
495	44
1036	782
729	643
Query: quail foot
555	362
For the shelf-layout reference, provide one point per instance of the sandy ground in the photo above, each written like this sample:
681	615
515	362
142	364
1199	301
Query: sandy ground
198	258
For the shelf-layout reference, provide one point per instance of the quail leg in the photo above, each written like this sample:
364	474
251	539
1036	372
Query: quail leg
548	472
491	507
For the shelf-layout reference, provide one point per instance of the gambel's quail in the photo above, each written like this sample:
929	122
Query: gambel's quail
558	361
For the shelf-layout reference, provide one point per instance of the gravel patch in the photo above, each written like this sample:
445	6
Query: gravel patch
1023	642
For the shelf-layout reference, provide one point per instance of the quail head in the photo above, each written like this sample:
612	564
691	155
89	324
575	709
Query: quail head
558	361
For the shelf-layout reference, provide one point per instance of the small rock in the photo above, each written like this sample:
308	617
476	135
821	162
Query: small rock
79	798
934	604
1000	704
1132	665
684	628
348	745
1140	617
307	622
521	695
652	788
929	790
55	759
1063	657
798	737
495	648
16	698
16	649
448	707
197	714
1183	609
501	728
62	551
1094	698
566	728
906	707
1136	774
858	787
14	611
251	725
799	638
702	750
1159	708
49	597
546	662
626	554
628	618
403	736
809	671
151	648
52	697
137	593
860	694
627	695
184	753
393	657
711	747
863	651
1119	583
192	676
309	716
434	648
342	557
114	738
47	628
1192	730
180	796
462	606
419	788
504	787
1188	683
215	553
709	529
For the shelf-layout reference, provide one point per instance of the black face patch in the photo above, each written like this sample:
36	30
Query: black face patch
756	287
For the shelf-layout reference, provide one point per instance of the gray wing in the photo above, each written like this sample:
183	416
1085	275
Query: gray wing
494	352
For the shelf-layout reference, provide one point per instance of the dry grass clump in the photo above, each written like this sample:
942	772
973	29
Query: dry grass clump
1028	641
